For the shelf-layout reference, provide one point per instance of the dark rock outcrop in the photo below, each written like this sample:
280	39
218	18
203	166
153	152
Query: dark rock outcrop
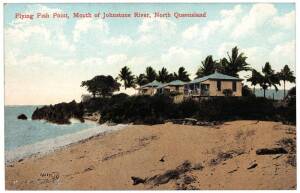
223	156
191	121
164	178
59	113
137	180
252	166
22	117
270	151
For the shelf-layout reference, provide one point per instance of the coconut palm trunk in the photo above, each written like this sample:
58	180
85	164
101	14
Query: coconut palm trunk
286	75
283	88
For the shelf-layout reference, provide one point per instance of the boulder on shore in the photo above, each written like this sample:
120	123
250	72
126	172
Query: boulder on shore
22	117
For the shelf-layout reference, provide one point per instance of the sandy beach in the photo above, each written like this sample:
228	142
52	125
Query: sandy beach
167	156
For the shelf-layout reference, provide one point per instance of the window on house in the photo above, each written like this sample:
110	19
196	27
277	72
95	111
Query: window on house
177	88
234	86
219	85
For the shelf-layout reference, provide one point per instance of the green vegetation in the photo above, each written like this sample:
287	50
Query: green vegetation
286	75
267	79
164	76
127	77
102	86
141	80
156	109
122	108
208	67
235	63
182	75
151	74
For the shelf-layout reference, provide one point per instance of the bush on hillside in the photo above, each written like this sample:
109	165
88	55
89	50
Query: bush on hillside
138	109
156	109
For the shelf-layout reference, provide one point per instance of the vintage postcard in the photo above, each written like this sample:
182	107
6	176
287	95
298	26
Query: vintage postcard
150	96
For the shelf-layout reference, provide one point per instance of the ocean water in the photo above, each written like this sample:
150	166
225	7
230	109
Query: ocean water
26	137
278	95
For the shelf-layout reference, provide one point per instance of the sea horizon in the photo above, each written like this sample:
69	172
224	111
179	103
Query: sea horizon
258	92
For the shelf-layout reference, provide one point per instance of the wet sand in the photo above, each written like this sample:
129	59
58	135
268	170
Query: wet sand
167	156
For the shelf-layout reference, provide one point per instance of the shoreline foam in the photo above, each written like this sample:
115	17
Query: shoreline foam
50	145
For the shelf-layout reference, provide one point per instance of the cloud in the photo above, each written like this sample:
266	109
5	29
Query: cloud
286	21
256	56
157	25
276	37
230	16
155	30
137	64
21	33
257	17
63	42
202	32
91	26
178	56
92	61
122	40
116	58
231	12
283	54
24	37
37	35
224	48
56	53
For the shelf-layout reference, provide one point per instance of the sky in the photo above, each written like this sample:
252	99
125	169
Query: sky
46	59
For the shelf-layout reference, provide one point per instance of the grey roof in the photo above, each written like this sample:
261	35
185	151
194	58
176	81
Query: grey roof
173	83
154	83
214	76
176	83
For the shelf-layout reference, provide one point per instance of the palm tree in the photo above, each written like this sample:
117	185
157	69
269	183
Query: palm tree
222	65
286	75
182	75
127	77
150	74
254	79
236	62
209	66
172	76
163	75
269	78
141	80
